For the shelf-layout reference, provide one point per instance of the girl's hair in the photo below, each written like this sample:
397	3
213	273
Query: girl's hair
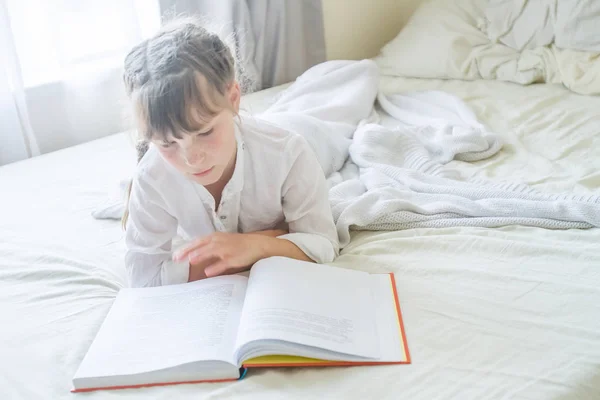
177	81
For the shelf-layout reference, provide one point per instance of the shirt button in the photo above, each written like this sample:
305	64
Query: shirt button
223	217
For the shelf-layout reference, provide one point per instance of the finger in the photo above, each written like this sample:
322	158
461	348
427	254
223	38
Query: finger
197	274
203	254
218	268
223	268
183	253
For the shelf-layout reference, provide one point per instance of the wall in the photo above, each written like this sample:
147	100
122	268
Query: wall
357	29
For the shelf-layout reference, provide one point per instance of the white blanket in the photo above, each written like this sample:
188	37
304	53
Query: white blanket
391	179
403	183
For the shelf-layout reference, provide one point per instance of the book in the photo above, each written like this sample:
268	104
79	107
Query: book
285	313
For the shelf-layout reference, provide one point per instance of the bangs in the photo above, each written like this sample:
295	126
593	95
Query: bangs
182	104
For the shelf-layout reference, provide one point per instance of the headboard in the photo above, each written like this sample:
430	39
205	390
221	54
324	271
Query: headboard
357	29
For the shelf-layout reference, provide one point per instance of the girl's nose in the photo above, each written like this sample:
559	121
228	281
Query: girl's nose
193	157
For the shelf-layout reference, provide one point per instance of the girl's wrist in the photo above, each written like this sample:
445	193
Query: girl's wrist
272	232
272	247
266	245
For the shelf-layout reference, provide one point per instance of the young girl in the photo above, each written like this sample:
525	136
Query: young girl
236	188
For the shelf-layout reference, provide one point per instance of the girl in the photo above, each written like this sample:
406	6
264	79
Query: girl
237	188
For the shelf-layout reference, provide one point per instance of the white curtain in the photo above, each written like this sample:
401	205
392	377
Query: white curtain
60	70
289	38
16	136
277	40
61	60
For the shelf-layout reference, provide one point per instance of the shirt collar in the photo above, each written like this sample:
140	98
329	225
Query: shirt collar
236	183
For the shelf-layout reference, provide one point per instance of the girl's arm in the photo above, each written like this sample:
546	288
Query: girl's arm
275	246
306	205
223	252
148	237
312	233
271	232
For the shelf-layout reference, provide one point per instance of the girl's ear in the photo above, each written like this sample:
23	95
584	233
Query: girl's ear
235	95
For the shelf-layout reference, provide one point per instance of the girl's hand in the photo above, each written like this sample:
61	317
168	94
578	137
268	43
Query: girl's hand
222	253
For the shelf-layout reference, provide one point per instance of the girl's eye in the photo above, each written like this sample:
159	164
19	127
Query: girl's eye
205	133
166	145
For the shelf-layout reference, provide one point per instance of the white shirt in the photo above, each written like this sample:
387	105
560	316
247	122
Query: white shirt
277	180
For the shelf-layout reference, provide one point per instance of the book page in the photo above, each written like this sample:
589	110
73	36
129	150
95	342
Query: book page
155	328
390	332
309	304
389	327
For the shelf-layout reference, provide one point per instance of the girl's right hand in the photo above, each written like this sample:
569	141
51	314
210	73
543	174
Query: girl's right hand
197	270
222	253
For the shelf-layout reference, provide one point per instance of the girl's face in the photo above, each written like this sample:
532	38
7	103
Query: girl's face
208	155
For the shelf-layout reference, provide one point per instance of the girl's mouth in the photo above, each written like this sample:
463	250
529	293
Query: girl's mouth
204	173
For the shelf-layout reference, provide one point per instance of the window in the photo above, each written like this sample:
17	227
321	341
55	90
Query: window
54	36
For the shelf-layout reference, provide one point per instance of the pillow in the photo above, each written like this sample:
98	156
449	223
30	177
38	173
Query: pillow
578	25
520	24
448	39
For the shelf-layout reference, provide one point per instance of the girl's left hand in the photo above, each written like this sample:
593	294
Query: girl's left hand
232	252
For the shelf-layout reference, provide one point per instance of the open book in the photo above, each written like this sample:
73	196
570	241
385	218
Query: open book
286	313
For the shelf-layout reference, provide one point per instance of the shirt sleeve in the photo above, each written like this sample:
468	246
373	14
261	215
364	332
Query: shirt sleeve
306	205
149	234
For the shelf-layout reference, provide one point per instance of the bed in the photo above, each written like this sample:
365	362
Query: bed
490	313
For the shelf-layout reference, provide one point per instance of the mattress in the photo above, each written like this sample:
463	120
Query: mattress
506	313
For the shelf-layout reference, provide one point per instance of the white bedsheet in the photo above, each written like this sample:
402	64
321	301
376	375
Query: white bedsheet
509	313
